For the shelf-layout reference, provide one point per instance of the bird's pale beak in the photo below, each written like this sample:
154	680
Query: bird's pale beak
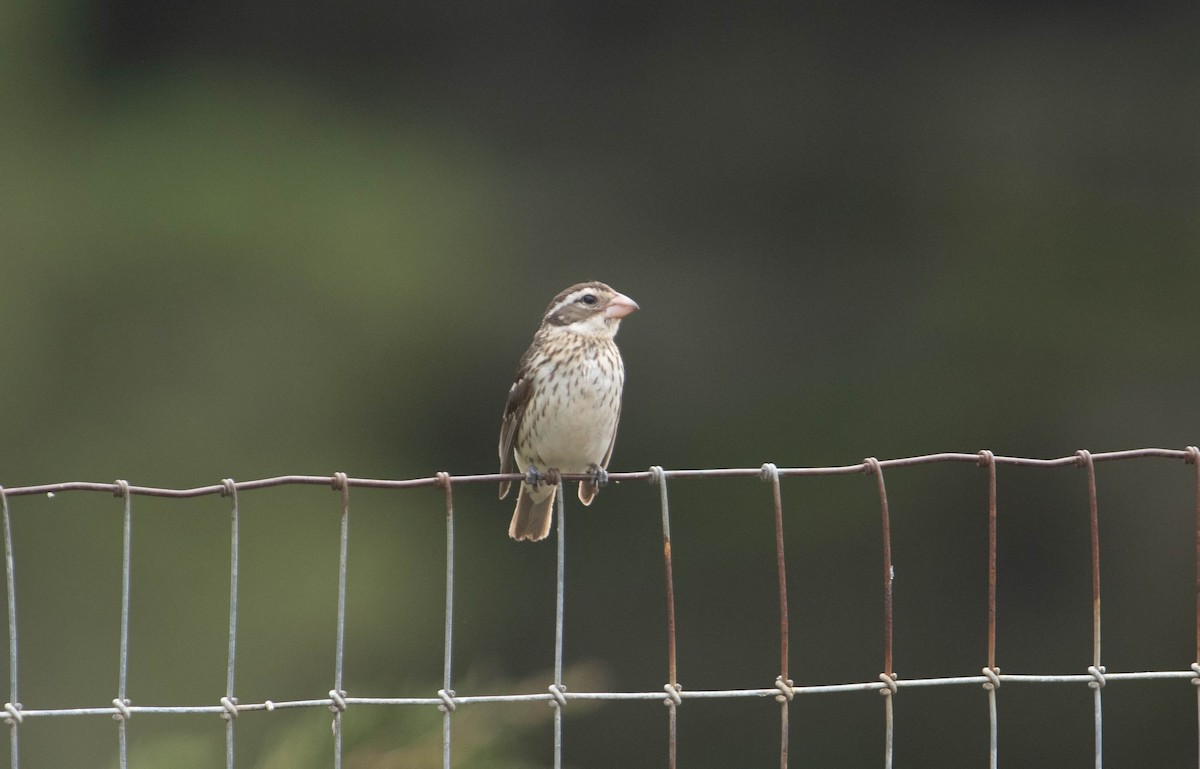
619	306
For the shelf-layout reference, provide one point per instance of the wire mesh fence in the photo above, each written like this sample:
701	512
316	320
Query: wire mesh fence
783	689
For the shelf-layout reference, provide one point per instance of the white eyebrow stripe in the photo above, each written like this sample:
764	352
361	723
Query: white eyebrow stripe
569	299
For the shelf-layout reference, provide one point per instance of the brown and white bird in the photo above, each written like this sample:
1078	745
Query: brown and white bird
563	408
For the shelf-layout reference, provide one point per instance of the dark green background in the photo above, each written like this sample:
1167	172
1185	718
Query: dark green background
255	239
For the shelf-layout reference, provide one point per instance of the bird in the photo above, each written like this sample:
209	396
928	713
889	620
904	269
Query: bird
564	404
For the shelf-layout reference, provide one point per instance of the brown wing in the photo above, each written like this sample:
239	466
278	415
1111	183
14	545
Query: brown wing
514	409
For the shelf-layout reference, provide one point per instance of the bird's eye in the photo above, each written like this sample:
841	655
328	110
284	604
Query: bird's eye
588	299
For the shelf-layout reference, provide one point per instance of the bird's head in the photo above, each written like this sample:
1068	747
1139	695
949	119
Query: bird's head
592	308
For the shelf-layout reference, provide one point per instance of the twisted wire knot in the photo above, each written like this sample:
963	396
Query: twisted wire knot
448	703
1193	455
657	475
13	715
337	701
785	687
986	458
769	472
890	687
559	691
674	699
231	708
228	488
122	488
1195	678
123	713
993	678
1097	672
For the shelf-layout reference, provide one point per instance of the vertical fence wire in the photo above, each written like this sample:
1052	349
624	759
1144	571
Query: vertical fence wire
784	681
122	701
447	693
337	695
672	687
13	707
1095	669
988	460
1096	678
229	701
1193	458
888	676
557	689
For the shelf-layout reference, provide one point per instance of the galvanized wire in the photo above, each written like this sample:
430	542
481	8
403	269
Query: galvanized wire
557	694
337	695
12	708
121	703
557	689
229	702
446	692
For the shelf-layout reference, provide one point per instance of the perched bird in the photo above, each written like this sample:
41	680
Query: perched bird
563	408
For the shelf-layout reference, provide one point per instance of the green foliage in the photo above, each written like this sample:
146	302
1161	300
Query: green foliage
286	243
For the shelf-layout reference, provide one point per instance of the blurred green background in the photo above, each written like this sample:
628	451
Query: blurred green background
255	239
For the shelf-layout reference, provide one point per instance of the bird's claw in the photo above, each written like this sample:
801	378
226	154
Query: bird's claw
599	475
533	477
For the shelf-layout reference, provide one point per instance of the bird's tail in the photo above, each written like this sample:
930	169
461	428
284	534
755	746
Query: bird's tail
531	519
588	491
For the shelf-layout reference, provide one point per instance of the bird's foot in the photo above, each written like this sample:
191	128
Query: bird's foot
535	477
599	475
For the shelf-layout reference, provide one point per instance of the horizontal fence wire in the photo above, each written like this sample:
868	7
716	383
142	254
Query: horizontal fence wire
784	690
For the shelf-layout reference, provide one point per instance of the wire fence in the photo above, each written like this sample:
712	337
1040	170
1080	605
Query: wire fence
783	689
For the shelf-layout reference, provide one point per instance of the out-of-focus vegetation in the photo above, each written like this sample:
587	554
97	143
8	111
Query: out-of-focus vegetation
247	240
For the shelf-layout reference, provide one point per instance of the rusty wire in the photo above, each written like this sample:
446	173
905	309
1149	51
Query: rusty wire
784	689
642	475
672	687
784	681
